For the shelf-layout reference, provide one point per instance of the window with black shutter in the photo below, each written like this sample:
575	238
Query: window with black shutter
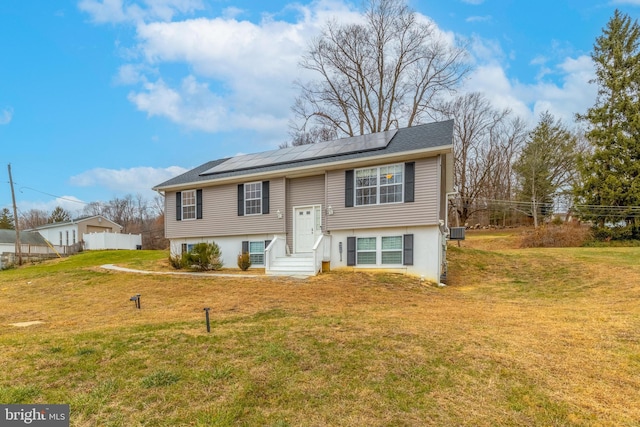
409	181
348	189
407	250
265	197
351	251
198	204
241	200
178	206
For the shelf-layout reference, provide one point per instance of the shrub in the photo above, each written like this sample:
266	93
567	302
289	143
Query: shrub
204	256
176	261
614	233
244	261
557	236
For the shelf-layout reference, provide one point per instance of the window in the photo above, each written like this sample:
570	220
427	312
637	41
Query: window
256	252
189	204
67	234
187	247
366	250
61	238
391	250
253	198
381	250
366	186
74	237
391	184
379	185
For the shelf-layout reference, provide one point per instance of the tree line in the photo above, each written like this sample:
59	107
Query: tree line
395	70
135	214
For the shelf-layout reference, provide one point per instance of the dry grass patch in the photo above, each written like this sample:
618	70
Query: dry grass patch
519	337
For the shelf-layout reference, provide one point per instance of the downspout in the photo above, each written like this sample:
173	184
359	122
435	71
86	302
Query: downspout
443	275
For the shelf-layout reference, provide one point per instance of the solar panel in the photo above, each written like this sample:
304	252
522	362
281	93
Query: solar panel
300	153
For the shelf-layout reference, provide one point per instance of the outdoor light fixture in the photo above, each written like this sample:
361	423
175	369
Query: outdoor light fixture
136	300
279	214
206	314
330	210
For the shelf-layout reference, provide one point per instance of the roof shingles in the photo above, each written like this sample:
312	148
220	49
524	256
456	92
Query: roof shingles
430	135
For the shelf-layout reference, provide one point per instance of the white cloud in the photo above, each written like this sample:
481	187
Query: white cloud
120	11
627	2
239	74
6	115
485	18
131	74
126	181
71	204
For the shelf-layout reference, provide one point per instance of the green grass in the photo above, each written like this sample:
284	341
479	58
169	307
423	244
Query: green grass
526	337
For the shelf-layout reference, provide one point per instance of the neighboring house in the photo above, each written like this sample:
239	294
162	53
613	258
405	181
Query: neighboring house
374	201
32	245
70	234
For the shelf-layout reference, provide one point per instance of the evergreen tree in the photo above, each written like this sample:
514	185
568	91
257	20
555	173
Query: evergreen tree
610	172
6	220
546	165
59	215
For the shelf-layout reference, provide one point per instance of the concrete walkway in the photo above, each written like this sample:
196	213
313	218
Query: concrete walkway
179	273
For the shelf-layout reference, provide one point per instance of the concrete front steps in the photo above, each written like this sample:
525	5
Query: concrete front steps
292	265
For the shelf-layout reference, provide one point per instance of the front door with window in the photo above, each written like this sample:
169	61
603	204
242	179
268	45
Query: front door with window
306	227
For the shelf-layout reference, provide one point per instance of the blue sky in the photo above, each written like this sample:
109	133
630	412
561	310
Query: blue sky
103	98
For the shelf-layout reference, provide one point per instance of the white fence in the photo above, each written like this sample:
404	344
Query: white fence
98	241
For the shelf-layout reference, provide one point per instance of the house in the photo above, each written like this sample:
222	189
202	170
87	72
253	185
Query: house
32	245
367	202
96	232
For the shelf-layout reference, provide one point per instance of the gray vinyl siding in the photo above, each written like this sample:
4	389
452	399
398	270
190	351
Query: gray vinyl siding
423	211
443	187
304	192
220	214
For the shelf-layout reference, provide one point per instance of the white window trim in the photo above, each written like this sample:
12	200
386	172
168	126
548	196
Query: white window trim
379	251
184	205
246	199
368	251
257	253
378	185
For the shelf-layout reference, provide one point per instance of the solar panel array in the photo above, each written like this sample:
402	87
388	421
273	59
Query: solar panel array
300	153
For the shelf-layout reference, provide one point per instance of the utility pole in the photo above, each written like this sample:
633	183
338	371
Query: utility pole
15	219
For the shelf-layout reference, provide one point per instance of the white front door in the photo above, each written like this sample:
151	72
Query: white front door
306	227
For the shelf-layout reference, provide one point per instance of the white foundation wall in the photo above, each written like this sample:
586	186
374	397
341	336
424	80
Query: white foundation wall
427	250
231	246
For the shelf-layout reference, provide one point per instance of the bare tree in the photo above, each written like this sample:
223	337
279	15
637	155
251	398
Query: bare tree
384	73
478	149
33	218
94	208
136	215
500	189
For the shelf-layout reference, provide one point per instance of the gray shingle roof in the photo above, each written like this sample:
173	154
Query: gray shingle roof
421	137
26	237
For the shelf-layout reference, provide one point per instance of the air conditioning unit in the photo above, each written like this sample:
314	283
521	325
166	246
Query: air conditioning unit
456	233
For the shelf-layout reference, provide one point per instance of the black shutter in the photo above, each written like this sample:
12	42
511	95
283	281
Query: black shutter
407	249
351	251
265	197
409	181
245	247
240	199
199	204
179	206
348	189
